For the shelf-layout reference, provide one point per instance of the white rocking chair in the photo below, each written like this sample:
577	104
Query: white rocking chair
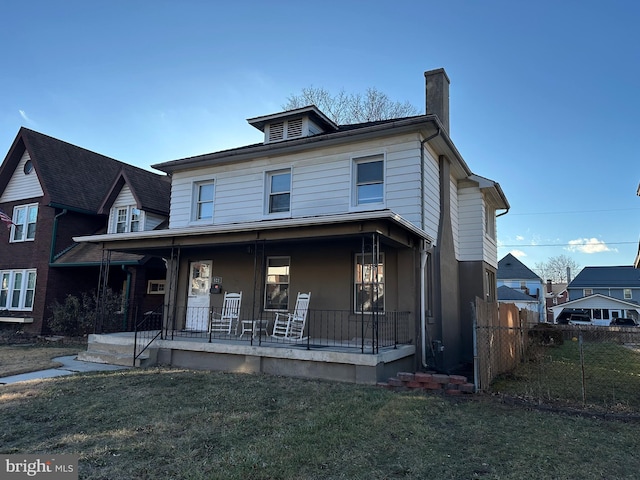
224	321
291	325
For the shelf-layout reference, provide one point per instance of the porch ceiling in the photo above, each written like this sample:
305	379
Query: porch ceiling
392	228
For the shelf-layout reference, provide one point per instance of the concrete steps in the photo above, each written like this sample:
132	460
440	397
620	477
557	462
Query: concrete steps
116	350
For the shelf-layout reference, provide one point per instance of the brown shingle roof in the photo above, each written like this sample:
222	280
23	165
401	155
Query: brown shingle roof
74	177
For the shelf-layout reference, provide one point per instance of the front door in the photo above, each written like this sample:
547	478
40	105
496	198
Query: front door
198	295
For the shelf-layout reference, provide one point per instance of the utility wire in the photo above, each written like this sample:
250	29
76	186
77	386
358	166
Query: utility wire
565	244
511	214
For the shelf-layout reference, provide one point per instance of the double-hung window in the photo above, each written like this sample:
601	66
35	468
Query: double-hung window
128	219
368	174
277	283
24	223
627	294
279	191
203	194
369	284
17	289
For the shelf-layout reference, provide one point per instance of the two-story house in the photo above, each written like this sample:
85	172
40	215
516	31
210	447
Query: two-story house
383	222
514	274
51	191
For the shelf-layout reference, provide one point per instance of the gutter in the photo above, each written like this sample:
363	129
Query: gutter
54	233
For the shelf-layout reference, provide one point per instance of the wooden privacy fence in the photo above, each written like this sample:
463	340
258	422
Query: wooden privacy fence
500	339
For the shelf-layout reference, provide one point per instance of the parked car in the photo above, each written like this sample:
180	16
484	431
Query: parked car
580	319
623	322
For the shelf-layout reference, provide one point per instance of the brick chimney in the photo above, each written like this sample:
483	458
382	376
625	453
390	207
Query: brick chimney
437	95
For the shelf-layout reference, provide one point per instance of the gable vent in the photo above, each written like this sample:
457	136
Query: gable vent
276	132
294	128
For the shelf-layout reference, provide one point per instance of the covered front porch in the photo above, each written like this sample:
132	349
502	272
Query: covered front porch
363	272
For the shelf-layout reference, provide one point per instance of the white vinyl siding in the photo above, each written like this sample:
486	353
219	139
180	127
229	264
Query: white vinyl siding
22	186
471	219
453	196
431	201
320	183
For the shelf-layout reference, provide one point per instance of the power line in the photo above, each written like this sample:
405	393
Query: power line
566	244
608	210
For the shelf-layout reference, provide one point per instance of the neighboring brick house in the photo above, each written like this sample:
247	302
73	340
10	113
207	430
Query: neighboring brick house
53	191
382	221
515	274
556	294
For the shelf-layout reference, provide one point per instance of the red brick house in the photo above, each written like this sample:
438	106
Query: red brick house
53	191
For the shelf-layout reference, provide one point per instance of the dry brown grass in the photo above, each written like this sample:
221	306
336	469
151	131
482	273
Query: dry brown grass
22	358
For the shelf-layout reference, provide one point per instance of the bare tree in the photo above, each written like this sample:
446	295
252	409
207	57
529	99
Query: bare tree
344	108
557	269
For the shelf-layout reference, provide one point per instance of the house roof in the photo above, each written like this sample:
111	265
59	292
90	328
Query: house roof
90	254
510	294
603	277
510	268
429	125
79	179
557	289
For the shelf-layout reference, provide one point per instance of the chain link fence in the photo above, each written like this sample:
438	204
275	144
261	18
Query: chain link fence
589	367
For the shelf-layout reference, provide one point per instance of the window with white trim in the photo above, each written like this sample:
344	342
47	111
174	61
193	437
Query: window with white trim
24	223
203	194
587	291
156	287
127	219
490	222
369	284
627	294
17	289
277	283
279	191
368	180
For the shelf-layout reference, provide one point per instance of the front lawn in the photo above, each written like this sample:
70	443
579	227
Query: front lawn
179	424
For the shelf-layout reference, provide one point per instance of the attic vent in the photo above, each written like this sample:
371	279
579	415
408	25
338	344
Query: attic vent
276	132
294	129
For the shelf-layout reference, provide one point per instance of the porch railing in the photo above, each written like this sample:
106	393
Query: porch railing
147	328
324	328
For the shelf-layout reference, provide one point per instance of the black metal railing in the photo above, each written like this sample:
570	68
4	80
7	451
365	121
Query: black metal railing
147	328
323	328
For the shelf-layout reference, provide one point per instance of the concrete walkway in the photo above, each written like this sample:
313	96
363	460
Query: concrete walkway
70	365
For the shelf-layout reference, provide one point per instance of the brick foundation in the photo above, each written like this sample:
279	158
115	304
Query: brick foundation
429	382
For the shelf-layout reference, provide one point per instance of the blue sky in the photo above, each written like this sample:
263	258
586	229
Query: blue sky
544	95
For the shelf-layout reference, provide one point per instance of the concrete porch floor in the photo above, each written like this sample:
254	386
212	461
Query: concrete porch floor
344	362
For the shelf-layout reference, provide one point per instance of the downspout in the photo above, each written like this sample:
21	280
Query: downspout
54	234
423	255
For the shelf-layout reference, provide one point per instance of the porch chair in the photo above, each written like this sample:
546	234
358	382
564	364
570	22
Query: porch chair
291	325
224	321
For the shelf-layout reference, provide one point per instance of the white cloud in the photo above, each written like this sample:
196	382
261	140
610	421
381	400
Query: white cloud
25	117
588	245
519	238
518	253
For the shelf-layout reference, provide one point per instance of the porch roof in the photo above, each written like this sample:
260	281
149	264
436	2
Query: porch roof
596	300
169	237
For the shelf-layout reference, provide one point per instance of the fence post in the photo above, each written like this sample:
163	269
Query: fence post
476	367
584	389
